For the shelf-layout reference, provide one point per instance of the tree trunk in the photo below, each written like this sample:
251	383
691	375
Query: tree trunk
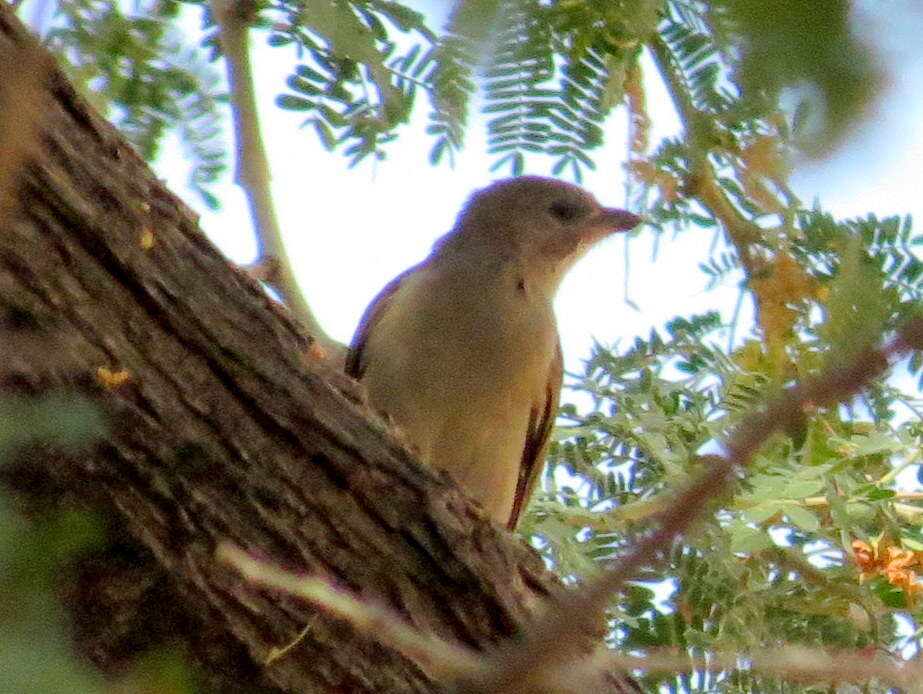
221	427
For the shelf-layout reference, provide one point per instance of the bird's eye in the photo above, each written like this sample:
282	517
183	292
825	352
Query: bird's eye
565	211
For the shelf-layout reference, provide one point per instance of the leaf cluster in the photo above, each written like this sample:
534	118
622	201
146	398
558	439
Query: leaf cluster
773	563
137	67
356	81
548	74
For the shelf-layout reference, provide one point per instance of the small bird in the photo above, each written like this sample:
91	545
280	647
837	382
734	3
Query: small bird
462	350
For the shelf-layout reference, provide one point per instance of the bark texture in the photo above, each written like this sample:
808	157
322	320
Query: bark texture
225	429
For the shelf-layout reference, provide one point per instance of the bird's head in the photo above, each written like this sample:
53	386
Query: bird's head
541	223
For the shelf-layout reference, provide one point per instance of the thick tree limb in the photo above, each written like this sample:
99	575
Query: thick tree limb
222	427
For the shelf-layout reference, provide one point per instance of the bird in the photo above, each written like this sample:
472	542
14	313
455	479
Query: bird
461	351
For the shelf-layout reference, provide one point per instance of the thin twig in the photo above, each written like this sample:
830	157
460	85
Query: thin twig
252	166
741	232
437	657
440	659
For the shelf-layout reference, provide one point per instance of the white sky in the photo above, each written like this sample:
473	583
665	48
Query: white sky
349	231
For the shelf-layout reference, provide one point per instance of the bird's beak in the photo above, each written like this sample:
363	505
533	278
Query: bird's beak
617	220
608	221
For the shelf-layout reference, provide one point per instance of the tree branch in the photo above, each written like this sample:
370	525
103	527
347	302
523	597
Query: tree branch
544	646
252	171
702	184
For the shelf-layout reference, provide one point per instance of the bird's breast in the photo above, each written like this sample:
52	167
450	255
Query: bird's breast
459	366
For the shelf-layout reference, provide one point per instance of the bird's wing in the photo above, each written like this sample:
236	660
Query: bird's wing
538	434
354	364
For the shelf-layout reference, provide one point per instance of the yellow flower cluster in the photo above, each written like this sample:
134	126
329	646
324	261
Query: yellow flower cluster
892	562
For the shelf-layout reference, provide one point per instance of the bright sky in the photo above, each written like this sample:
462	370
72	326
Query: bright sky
350	230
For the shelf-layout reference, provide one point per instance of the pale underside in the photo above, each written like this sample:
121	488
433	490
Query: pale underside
466	389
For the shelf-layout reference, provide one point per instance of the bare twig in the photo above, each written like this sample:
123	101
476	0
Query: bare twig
252	165
440	659
437	657
908	511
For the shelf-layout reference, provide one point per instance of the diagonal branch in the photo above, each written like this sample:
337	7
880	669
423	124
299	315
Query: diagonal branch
545	646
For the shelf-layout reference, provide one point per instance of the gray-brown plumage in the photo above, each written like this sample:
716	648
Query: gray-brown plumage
462	350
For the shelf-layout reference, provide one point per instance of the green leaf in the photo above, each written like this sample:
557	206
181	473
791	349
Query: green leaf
294	103
760	513
801	517
745	539
801	488
811	47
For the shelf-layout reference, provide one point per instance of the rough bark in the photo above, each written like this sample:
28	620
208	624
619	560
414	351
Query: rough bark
226	429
